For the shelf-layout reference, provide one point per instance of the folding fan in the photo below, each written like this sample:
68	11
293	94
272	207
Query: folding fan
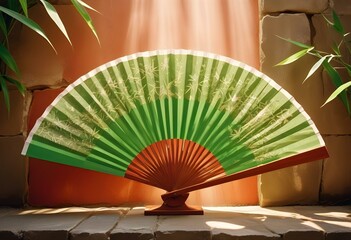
178	120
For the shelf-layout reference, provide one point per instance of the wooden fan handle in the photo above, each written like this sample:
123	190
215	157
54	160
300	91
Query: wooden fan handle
312	155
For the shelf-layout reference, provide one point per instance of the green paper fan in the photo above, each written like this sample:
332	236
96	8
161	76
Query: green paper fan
176	120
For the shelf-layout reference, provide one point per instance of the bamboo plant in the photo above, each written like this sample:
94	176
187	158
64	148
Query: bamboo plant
16	11
330	61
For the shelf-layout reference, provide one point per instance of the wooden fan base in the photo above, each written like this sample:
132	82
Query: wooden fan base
174	205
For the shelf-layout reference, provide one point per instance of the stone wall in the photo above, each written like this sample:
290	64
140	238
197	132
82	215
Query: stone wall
327	181
13	166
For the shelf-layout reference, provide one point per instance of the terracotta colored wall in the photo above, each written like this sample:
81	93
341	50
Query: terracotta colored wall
224	27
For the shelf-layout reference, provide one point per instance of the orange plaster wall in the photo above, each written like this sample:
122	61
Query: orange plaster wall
226	27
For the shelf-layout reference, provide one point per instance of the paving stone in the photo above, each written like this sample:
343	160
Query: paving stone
338	236
135	226
249	223
255	211
323	213
183	227
46	235
335	221
41	226
13	171
7	210
291	228
233	225
97	226
8	235
310	6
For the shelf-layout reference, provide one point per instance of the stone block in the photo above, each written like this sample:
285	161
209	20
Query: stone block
8	235
298	184
334	220
246	223
235	224
311	6
336	178
41	225
96	227
341	6
325	36
338	236
7	210
13	171
135	226
45	235
292	228
273	50
183	227
294	185
14	121
40	65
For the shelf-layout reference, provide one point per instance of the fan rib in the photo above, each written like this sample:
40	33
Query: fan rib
178	162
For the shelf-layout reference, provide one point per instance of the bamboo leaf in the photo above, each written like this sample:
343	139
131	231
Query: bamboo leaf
56	18
87	6
330	58
315	67
21	88
294	57
5	92
14	5
338	91
337	25
327	20
348	68
337	81
28	22
336	49
6	56
24	7
3	26
299	44
85	15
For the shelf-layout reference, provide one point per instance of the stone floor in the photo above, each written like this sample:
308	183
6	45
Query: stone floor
220	223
